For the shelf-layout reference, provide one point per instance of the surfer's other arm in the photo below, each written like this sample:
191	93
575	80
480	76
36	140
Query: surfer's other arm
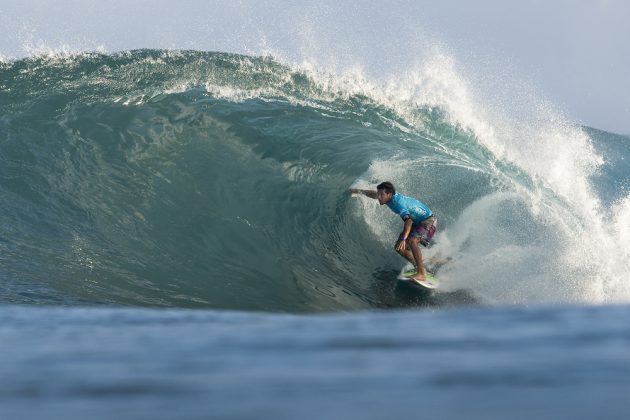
367	193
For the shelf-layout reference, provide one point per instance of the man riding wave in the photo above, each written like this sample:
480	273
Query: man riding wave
419	226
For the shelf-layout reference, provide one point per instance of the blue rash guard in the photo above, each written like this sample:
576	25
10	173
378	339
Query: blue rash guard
409	207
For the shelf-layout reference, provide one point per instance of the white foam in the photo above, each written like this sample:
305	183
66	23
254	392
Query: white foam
590	258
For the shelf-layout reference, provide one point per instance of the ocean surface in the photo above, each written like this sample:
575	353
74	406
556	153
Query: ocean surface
177	240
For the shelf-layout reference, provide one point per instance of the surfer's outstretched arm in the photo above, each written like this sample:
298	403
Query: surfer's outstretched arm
367	193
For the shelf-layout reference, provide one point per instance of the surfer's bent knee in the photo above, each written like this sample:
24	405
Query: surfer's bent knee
402	251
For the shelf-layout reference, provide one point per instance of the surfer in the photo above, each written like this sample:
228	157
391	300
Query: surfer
419	227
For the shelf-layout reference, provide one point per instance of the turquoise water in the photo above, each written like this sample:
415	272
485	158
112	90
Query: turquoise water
139	185
192	179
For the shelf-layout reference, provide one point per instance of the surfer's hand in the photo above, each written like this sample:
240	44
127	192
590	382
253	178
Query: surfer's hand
400	245
355	191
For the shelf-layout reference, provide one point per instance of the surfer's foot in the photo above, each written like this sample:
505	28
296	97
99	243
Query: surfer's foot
418	277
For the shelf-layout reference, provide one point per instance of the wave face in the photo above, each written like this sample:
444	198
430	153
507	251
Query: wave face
200	179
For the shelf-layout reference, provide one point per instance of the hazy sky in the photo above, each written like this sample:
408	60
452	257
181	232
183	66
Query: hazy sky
575	53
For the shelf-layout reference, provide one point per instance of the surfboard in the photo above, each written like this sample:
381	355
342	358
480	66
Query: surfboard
430	282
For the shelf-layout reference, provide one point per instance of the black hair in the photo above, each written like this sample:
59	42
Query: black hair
387	186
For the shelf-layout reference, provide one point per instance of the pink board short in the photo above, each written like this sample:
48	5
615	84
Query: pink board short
425	230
